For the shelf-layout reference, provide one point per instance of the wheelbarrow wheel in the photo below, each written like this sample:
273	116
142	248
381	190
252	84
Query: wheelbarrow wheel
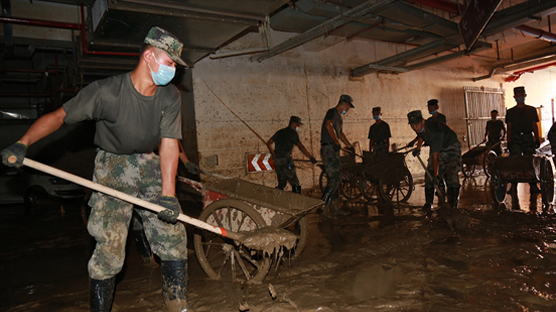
487	162
547	183
299	228
498	187
395	184
468	169
350	185
220	257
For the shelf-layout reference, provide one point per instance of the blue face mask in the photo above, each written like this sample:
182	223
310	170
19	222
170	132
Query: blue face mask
343	112
376	117
423	129
164	76
433	112
520	99
296	128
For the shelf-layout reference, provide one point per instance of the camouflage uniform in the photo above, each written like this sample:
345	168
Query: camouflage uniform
449	159
137	175
332	166
285	171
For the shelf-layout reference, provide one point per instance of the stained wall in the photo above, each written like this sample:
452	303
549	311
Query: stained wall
306	82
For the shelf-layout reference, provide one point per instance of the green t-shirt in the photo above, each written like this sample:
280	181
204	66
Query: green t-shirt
127	122
284	141
438	136
379	132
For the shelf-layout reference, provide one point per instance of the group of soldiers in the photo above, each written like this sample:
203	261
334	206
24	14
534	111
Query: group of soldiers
444	161
139	112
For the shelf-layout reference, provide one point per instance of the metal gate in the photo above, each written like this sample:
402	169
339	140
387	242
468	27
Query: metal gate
479	102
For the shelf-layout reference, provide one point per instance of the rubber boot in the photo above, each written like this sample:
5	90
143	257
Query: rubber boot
296	189
453	197
429	198
327	196
101	293
174	285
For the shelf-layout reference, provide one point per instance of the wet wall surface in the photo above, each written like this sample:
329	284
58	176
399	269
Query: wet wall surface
356	260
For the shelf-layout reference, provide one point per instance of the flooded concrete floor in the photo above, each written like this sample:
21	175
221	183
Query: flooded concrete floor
357	261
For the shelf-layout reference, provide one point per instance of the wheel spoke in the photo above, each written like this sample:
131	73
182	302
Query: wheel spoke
242	265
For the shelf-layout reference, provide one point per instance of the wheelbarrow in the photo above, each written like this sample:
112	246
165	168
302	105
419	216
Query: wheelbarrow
480	155
237	205
523	169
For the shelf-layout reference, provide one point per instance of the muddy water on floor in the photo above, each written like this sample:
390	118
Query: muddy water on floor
357	261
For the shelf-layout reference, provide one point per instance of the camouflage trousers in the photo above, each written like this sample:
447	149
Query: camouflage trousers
449	160
332	166
522	145
285	171
137	175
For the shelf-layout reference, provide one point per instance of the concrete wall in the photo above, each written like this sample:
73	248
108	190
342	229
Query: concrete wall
306	82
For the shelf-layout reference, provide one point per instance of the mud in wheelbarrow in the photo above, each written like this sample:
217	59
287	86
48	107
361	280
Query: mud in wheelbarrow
239	205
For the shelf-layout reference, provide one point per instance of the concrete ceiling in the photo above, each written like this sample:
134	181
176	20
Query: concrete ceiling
517	37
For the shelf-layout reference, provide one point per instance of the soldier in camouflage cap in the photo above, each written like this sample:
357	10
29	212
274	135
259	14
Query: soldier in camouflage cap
444	157
135	113
162	39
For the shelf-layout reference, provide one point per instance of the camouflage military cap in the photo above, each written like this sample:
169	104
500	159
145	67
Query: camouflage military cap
376	109
295	119
432	102
347	99
164	40
414	117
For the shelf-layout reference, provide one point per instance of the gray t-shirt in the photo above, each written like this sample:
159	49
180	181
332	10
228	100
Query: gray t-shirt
333	115
127	122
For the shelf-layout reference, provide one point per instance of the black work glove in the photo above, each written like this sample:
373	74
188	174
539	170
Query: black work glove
172	211
416	152
337	147
411	144
352	150
191	167
537	143
17	150
313	160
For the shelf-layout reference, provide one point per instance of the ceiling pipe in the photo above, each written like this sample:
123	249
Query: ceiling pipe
537	33
323	28
516	75
458	9
41	23
218	15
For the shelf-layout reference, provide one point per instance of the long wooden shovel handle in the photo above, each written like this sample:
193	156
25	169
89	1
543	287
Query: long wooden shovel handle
128	198
441	195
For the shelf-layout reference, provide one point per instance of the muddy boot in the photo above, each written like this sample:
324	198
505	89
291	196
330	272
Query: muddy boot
328	196
174	285
101	293
296	189
429	198
453	197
